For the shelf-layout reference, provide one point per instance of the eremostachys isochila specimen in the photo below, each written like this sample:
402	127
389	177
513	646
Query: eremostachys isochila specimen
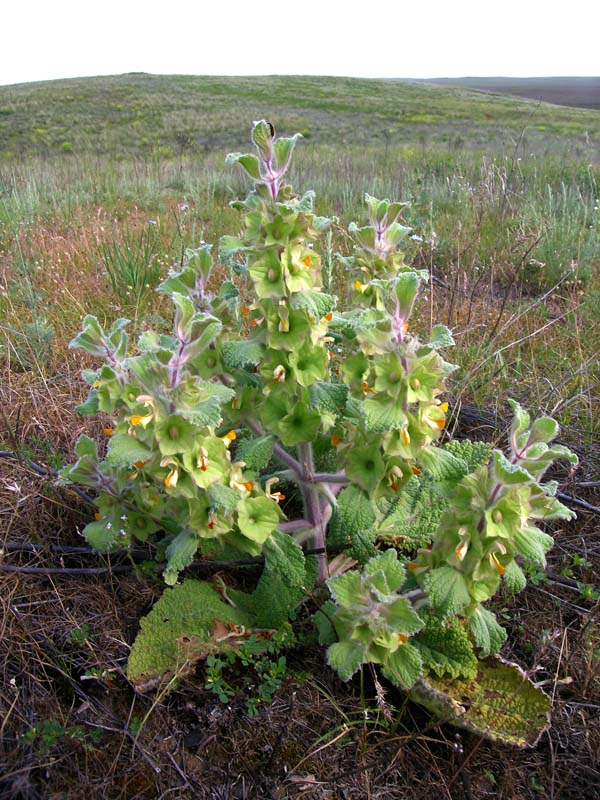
268	388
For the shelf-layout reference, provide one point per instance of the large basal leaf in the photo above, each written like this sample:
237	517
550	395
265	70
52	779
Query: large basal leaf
500	703
189	622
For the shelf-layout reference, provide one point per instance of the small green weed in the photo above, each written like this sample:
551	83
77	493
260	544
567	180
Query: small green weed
249	672
45	735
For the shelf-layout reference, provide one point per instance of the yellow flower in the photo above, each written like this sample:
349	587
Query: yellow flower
212	519
461	550
202	461
236	481
497	547
229	438
141	419
171	480
394	476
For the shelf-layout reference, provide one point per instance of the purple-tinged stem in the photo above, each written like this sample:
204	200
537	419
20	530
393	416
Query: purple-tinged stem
314	511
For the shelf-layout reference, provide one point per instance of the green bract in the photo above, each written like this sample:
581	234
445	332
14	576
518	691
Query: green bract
267	393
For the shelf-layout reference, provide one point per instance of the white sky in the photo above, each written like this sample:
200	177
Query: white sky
47	39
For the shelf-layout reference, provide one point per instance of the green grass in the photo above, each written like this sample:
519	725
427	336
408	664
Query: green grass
164	116
504	198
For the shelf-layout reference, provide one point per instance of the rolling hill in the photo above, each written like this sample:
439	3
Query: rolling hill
141	114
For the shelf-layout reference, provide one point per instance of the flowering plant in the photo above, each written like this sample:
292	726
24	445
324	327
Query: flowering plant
268	385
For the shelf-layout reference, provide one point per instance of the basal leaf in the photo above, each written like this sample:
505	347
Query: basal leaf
188	610
500	703
286	579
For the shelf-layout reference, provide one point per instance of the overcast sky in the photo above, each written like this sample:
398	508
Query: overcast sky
47	39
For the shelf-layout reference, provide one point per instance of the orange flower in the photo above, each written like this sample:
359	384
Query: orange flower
336	441
203	459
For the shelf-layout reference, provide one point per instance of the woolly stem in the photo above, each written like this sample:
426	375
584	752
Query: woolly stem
314	511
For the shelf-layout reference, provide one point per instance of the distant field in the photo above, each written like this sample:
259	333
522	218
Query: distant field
563	91
164	116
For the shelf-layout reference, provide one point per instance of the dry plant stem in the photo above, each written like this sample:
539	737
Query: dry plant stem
118	568
45	472
576	501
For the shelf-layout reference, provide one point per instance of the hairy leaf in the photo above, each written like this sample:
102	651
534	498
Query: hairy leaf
447	590
188	610
446	649
500	703
286	579
489	636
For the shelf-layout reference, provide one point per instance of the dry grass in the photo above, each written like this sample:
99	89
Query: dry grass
319	739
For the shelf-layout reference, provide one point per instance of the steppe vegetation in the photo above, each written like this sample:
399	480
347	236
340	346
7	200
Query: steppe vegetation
104	183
